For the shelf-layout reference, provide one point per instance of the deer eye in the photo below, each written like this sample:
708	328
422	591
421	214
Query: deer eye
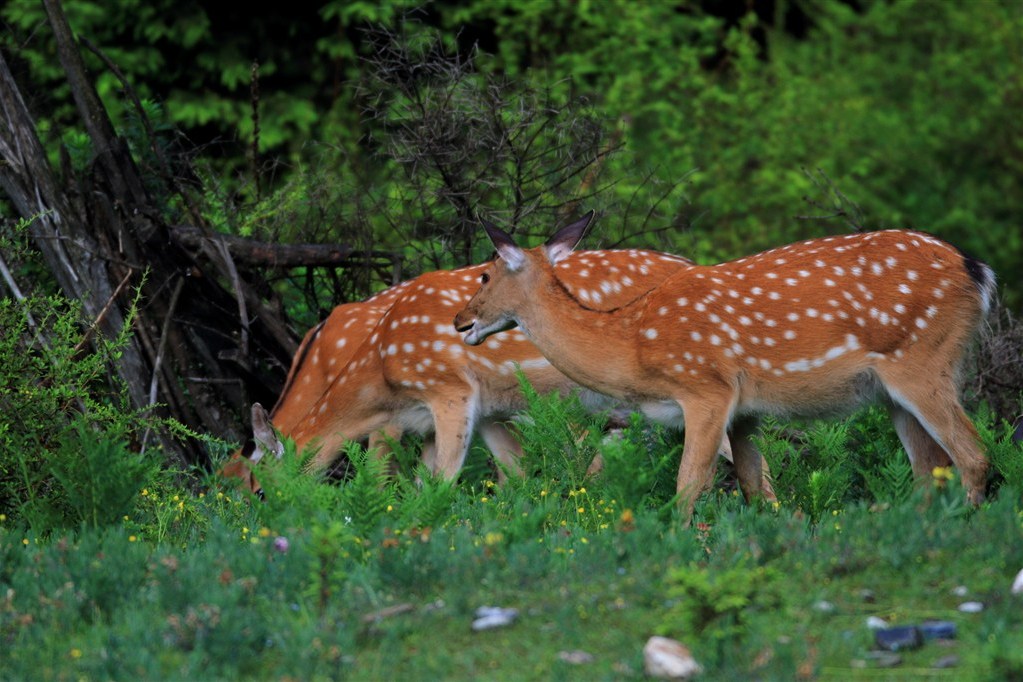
484	278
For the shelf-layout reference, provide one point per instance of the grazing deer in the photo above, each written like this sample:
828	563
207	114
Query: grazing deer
407	370
323	356
411	370
805	329
307	379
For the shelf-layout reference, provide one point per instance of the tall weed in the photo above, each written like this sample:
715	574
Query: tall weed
812	472
640	463
559	437
98	478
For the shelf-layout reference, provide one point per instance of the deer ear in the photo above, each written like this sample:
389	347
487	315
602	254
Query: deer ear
564	240
264	435
506	248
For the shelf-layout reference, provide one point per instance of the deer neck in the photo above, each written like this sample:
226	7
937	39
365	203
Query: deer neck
594	348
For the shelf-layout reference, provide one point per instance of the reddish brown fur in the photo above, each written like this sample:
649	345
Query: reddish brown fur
306	381
413	371
394	363
804	329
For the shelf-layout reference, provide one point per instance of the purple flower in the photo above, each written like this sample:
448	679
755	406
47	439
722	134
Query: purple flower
281	544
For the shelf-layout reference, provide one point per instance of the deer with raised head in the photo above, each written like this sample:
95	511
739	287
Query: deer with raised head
408	371
807	329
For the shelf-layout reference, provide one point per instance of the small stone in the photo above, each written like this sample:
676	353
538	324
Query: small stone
1017	584
667	658
490	617
875	623
824	606
388	612
877	659
960	590
867	596
576	657
899	638
949	661
971	607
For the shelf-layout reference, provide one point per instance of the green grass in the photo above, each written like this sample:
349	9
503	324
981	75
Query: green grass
197	586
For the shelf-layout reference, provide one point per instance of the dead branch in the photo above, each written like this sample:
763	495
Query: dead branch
256	253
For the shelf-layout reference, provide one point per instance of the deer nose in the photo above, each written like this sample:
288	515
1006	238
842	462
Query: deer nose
463	324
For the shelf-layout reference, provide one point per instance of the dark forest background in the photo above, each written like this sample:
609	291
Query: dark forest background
189	186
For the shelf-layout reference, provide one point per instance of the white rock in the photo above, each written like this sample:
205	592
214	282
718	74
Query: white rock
824	606
489	617
971	607
875	623
960	591
663	657
576	657
1017	584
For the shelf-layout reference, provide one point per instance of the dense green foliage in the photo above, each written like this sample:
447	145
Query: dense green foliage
111	568
379	578
910	108
72	449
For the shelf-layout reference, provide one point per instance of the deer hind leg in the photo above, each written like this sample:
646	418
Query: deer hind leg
924	452
428	453
506	449
329	440
750	466
380	443
705	429
932	400
454	416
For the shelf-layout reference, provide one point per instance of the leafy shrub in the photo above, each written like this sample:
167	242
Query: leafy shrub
64	458
559	437
716	603
98	478
640	463
815	473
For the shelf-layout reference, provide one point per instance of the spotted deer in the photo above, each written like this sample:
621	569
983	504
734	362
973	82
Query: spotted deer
806	329
409	371
308	379
324	354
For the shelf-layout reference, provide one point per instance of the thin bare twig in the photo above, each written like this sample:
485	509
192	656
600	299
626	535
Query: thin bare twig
161	158
161	349
841	205
243	314
81	345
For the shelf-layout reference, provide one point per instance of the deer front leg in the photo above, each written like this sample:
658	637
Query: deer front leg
705	429
505	448
454	415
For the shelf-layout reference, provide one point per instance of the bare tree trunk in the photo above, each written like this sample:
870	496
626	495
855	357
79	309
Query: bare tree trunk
193	341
